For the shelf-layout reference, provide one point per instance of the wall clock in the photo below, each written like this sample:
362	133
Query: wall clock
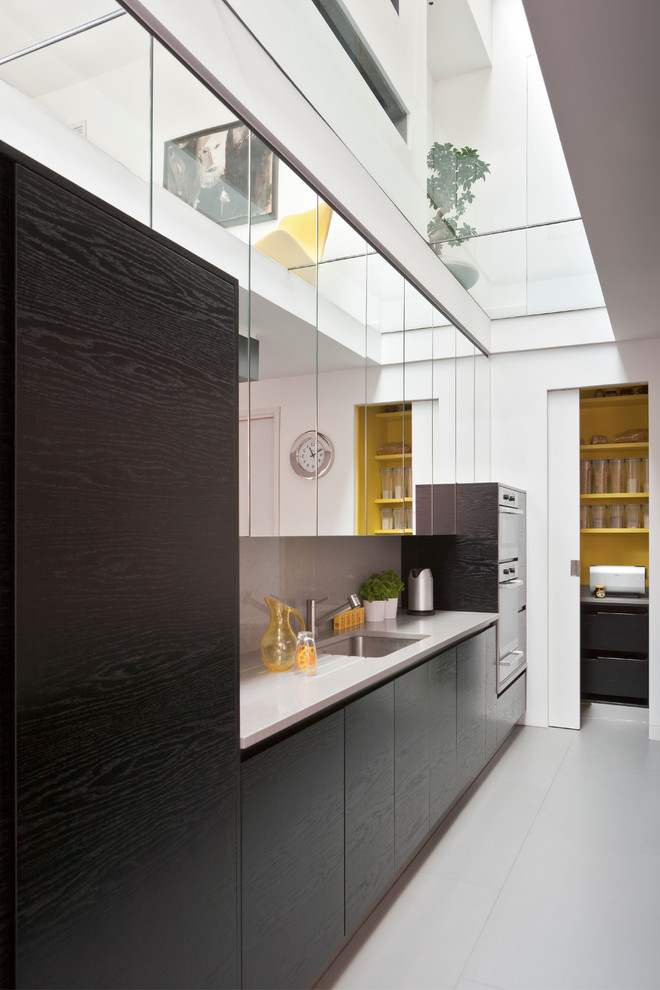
311	455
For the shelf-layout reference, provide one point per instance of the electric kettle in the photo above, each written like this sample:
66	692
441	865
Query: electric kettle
420	591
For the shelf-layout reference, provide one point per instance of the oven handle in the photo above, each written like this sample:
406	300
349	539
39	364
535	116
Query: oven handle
514	653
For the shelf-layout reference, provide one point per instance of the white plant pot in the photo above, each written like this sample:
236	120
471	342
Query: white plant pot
391	606
374	611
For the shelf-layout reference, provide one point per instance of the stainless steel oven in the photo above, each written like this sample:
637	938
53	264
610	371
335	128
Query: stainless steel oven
511	652
508	533
512	658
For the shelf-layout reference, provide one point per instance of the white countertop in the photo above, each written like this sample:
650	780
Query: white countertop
271	702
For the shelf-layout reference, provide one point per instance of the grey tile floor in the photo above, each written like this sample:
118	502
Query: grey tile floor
547	875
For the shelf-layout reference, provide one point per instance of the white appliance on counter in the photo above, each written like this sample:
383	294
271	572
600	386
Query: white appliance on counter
618	579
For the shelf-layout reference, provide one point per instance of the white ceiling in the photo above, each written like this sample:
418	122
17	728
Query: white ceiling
601	67
454	40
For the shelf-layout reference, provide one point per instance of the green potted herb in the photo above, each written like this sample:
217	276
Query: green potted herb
394	587
452	173
374	593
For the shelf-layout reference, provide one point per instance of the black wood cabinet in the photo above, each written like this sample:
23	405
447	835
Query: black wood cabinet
333	811
122	438
614	649
411	761
293	856
443	784
470	709
369	794
491	739
510	707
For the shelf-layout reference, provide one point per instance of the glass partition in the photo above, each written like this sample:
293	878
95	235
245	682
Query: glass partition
419	392
353	387
544	269
342	290
283	311
465	409
96	83
32	21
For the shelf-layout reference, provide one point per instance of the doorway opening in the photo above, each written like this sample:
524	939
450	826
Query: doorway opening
614	545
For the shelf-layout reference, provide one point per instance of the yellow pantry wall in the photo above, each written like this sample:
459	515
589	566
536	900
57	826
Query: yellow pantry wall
607	412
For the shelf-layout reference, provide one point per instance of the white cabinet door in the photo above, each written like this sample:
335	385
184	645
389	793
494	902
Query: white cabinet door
563	547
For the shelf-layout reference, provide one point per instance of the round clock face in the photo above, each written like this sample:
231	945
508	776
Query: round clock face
311	455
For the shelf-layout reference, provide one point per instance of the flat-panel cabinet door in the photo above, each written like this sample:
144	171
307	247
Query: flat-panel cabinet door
293	856
470	708
369	764
491	692
510	707
411	761
125	602
442	733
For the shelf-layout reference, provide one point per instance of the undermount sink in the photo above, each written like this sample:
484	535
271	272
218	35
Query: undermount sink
360	645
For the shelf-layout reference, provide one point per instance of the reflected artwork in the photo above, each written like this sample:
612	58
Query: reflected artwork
209	170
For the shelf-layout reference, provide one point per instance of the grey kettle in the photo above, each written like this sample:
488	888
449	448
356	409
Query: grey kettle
420	591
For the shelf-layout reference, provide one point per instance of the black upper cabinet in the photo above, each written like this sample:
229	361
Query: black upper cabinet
126	600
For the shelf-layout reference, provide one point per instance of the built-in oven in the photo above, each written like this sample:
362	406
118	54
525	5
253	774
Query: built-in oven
511	659
508	531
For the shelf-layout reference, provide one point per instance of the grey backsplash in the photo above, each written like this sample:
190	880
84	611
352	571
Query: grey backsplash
295	568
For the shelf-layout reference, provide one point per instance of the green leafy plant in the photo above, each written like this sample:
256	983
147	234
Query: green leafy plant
393	582
453	172
374	589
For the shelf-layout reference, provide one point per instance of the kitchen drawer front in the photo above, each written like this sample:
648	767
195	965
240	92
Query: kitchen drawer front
615	677
511	707
615	631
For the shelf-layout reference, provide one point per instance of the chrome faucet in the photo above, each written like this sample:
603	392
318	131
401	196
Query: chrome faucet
314	619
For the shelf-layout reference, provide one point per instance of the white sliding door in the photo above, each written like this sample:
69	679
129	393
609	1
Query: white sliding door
563	548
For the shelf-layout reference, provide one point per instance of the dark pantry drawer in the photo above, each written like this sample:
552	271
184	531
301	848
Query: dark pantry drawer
615	629
615	677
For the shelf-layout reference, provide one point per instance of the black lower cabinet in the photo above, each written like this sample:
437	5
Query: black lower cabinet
122	632
492	742
443	784
369	762
293	856
331	813
470	709
411	761
510	707
614	647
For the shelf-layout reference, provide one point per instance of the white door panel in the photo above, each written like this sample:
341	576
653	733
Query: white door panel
563	547
259	480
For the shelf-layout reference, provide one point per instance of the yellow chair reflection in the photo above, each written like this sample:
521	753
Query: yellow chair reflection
298	242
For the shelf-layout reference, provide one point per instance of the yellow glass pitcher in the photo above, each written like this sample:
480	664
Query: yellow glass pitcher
278	644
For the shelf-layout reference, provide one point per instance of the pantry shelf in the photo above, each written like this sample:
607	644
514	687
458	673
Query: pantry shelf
623	531
635	498
596	451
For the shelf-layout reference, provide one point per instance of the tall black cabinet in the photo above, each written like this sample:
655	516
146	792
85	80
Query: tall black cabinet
119	674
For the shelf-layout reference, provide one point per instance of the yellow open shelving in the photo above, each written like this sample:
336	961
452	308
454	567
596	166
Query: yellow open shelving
376	426
609	416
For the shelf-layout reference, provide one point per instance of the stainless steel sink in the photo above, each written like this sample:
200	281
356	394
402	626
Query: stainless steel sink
361	645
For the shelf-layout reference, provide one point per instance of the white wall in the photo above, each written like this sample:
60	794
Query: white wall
520	382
